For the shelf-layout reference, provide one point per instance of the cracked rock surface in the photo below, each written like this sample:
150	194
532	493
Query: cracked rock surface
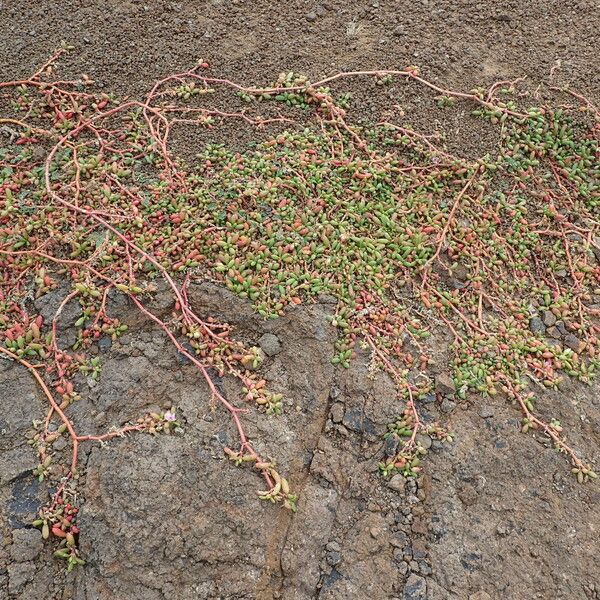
495	514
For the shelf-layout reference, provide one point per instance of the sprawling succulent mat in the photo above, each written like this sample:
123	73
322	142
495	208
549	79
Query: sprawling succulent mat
500	253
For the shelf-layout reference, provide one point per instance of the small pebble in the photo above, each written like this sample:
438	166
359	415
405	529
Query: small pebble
486	412
397	483
447	406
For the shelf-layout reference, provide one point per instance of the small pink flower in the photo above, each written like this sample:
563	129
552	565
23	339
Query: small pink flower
170	416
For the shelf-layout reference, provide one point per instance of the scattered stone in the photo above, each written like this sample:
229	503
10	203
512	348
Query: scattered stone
437	446
467	494
270	344
337	412
356	421
415	588
447	406
390	448
342	430
549	318
399	539
403	567
419	526
311	16
26	544
573	342
104	343
444	384
560	325
486	412
424	441
397	483
536	325
553	332
333	558
419	549
333	546
414	566
425	567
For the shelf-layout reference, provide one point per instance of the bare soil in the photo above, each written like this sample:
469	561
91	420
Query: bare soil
496	515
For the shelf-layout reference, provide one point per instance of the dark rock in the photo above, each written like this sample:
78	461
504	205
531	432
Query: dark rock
536	325
390	448
549	318
356	421
104	343
332	578
49	303
26	496
415	588
471	562
428	398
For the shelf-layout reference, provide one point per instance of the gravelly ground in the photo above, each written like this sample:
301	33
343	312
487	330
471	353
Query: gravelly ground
496	515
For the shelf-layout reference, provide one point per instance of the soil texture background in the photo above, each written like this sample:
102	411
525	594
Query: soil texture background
496	515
